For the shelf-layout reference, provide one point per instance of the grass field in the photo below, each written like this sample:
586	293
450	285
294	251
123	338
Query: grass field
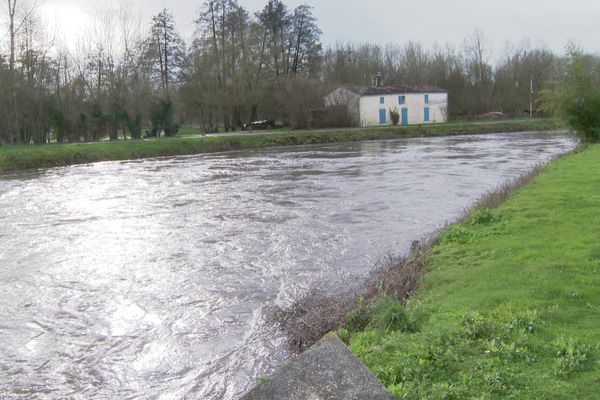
24	157
509	306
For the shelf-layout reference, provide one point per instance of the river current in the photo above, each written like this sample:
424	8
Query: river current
146	279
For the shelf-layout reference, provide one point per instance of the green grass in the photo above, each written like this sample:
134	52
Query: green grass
510	303
190	130
189	142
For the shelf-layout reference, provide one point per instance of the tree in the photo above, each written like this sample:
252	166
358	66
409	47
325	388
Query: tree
413	64
162	119
110	79
576	95
165	49
18	12
275	21
356	64
35	99
221	76
519	70
291	39
299	96
134	125
478	72
304	42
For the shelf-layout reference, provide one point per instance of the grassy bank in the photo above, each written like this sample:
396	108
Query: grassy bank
509	306
23	157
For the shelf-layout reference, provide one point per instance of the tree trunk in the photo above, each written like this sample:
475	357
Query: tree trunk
12	115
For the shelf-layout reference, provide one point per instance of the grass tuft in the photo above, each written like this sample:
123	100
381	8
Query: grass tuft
484	216
389	315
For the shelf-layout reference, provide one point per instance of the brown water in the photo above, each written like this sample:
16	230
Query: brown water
146	279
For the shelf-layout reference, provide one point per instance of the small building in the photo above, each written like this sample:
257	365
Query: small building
373	105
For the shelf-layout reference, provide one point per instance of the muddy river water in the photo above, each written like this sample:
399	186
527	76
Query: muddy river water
146	279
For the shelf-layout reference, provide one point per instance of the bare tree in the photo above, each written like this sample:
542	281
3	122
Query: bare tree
166	49
479	72
222	59
518	72
18	12
306	41
274	18
299	96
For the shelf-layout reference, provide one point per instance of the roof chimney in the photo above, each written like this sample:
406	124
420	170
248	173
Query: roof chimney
379	80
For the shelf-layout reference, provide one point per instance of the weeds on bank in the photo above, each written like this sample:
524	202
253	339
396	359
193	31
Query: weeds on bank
459	234
392	281
312	316
509	306
571	356
491	354
483	216
384	315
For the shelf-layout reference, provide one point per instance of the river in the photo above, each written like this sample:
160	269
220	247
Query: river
146	279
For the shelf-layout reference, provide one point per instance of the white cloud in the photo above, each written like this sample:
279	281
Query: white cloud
64	20
553	22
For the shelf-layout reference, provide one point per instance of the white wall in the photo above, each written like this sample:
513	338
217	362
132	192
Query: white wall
415	103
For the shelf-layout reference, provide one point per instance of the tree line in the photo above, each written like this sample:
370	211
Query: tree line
127	78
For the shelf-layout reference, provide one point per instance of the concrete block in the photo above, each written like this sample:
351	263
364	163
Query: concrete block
326	371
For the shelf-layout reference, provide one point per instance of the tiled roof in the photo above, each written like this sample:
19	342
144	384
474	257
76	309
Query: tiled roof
378	90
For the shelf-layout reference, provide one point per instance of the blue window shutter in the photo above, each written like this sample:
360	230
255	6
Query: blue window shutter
401	99
426	99
381	100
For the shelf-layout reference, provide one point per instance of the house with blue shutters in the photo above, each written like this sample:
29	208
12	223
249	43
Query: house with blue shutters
372	105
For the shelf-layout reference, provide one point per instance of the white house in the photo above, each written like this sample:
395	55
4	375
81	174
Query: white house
372	105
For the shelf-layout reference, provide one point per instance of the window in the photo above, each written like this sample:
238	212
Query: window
426	99
381	100
401	99
426	116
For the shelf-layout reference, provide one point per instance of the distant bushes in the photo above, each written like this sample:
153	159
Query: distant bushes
336	116
163	119
576	95
134	124
395	116
583	115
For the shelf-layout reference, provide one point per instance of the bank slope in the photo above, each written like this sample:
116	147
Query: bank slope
510	304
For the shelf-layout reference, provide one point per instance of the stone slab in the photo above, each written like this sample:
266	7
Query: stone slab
326	371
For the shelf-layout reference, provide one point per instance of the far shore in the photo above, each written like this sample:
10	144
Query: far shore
52	155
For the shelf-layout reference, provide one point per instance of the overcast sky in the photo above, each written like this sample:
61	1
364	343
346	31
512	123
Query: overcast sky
551	23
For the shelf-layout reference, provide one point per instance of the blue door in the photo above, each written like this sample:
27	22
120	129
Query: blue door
426	115
382	117
405	116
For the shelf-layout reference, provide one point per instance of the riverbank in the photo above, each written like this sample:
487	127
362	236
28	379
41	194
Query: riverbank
509	305
26	157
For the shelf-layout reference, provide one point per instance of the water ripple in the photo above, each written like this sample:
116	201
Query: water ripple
147	279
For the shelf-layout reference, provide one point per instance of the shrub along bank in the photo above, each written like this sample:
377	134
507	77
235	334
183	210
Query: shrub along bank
509	306
23	157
